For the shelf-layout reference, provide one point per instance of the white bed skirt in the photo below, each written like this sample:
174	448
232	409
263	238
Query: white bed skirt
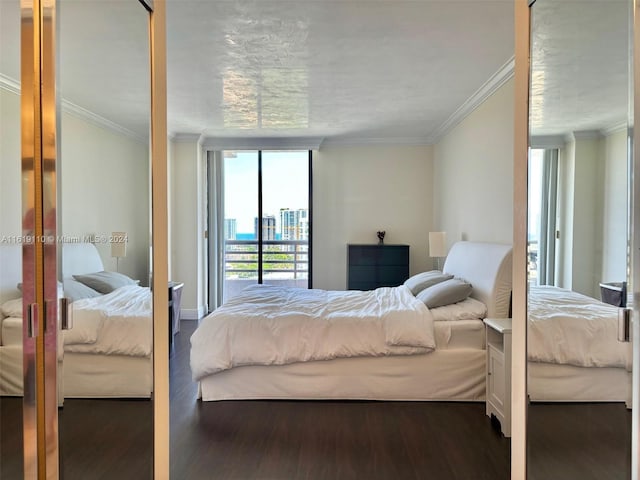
107	376
85	375
11	370
550	382
441	375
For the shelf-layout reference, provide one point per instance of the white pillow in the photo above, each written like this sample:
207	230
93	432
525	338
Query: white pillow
420	281
468	309
445	293
104	282
12	308
74	290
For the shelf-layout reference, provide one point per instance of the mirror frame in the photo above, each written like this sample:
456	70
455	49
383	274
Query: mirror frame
160	250
519	285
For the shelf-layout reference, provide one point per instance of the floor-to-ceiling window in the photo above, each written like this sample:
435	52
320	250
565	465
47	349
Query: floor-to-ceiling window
263	209
543	187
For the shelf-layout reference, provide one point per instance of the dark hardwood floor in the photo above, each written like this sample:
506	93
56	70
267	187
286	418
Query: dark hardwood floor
588	441
288	440
315	440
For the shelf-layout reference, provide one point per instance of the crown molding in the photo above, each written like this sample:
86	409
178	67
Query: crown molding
364	141
498	79
585	134
13	86
619	127
84	114
262	143
9	84
547	141
186	137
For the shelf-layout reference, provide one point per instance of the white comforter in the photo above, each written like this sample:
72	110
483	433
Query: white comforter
119	323
270	325
571	328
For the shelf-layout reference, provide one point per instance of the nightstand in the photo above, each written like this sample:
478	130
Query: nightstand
498	371
175	295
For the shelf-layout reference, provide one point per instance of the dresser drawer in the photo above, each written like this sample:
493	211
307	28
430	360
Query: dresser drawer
378	255
373	266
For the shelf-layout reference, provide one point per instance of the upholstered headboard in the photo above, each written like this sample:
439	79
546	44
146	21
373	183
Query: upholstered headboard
80	258
487	266
77	258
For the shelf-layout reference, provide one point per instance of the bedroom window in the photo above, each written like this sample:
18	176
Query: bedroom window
542	228
263	219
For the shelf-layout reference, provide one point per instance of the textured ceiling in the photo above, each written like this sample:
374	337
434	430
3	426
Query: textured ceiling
341	69
345	70
579	66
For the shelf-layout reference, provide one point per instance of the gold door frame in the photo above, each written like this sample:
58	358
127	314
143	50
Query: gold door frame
160	263
38	157
519	275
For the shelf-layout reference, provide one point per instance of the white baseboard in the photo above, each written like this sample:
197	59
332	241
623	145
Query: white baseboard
193	313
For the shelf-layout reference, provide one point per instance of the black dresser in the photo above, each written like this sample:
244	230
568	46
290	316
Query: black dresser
373	266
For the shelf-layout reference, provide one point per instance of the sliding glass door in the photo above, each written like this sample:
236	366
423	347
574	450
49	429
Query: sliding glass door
266	218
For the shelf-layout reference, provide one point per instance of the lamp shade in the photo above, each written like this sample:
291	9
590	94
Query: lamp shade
437	244
119	244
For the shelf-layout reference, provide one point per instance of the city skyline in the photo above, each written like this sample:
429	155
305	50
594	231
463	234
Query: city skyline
290	224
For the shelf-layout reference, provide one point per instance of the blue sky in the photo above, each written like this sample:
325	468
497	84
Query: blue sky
284	184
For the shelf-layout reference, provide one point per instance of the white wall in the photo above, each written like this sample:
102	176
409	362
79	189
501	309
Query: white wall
473	174
105	188
104	180
187	225
360	190
10	175
614	242
593	211
566	173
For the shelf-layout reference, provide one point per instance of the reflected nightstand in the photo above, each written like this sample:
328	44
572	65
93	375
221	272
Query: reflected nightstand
175	296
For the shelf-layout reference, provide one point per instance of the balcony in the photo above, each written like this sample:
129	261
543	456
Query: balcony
285	263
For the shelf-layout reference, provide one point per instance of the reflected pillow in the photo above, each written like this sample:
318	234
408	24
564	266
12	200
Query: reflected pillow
423	280
75	290
445	293
105	282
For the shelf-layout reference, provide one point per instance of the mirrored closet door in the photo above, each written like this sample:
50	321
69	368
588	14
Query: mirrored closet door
11	349
104	223
579	370
76	350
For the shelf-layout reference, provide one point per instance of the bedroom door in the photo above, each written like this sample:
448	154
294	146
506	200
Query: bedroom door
581	420
92	134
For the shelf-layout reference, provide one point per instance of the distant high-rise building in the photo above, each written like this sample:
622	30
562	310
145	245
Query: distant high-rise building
294	224
268	227
230	228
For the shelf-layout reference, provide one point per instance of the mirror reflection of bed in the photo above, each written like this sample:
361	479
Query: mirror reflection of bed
579	373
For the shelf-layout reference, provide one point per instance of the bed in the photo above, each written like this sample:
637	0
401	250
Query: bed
573	351
107	353
451	368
